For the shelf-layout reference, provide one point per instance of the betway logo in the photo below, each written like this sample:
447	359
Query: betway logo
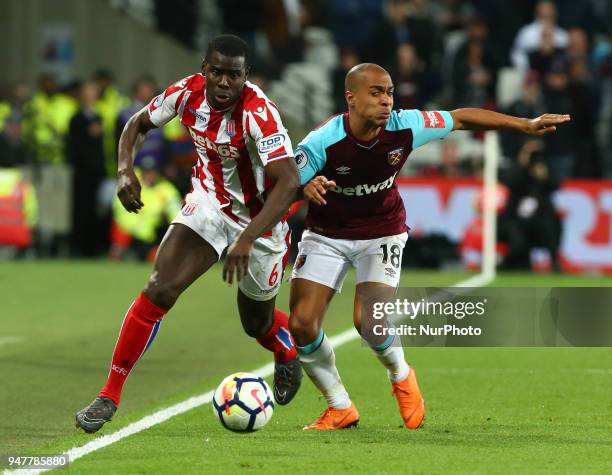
223	150
365	189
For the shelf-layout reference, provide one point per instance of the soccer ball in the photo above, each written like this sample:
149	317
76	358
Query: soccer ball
243	402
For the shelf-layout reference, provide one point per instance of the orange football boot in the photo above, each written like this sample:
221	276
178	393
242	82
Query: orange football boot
333	419
411	403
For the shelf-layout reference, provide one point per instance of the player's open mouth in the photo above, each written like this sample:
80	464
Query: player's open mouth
222	98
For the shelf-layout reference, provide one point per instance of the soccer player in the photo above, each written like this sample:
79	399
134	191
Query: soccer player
236	199
357	218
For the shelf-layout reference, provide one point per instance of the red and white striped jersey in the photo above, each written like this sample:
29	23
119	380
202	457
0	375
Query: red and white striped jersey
226	170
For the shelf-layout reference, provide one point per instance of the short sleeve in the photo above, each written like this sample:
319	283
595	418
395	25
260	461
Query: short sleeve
164	107
426	126
309	159
265	127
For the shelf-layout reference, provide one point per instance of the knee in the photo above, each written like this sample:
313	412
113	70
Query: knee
162	294
303	327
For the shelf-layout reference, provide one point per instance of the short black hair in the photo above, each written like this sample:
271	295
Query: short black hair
228	45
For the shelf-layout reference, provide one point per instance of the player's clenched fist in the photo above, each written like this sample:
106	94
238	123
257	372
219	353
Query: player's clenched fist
316	188
128	191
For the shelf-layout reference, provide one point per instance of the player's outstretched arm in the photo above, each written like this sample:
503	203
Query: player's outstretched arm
132	137
482	119
285	174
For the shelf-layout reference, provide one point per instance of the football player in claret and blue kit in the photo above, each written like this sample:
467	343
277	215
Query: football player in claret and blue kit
357	219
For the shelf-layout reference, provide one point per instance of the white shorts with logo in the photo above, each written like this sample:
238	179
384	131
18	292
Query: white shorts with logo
268	255
326	261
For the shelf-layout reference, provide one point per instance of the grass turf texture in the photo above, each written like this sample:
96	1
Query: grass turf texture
489	410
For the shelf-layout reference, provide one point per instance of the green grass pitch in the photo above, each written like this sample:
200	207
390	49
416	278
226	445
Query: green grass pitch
490	410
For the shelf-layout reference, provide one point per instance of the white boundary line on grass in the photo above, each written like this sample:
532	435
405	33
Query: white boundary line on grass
196	401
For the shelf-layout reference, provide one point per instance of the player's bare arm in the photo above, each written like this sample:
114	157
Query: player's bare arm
132	137
482	119
316	188
285	174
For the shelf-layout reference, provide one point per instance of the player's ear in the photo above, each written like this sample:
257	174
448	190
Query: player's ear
247	70
350	98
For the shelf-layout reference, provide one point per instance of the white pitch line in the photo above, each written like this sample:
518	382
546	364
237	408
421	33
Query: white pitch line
10	340
196	401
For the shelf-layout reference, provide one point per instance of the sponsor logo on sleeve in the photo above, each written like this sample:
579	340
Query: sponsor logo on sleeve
433	120
271	143
301	159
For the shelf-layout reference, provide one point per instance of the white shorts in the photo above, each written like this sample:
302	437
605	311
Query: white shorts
326	261
268	256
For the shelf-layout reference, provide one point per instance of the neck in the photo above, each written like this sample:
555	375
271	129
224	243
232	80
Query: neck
362	129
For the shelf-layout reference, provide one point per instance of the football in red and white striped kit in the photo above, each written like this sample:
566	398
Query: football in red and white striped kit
225	170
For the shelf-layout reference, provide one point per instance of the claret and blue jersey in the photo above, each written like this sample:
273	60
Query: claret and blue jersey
365	204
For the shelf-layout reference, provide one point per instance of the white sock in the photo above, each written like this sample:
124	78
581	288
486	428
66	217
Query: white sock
391	355
319	363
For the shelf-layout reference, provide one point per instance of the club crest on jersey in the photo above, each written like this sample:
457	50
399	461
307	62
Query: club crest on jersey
189	209
230	128
300	261
395	155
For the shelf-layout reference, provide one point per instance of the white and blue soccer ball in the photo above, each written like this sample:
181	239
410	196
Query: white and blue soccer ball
243	402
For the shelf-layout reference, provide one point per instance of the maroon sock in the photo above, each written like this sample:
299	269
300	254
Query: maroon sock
278	339
138	330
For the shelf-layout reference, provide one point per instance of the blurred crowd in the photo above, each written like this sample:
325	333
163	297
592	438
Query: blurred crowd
442	54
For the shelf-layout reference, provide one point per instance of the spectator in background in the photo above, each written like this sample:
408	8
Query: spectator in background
177	18
47	118
14	100
584	110
350	16
529	37
423	30
240	20
13	149
547	53
348	58
143	90
531	104
529	219
388	34
141	233
86	155
283	27
560	149
455	14
475	69
108	105
413	85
